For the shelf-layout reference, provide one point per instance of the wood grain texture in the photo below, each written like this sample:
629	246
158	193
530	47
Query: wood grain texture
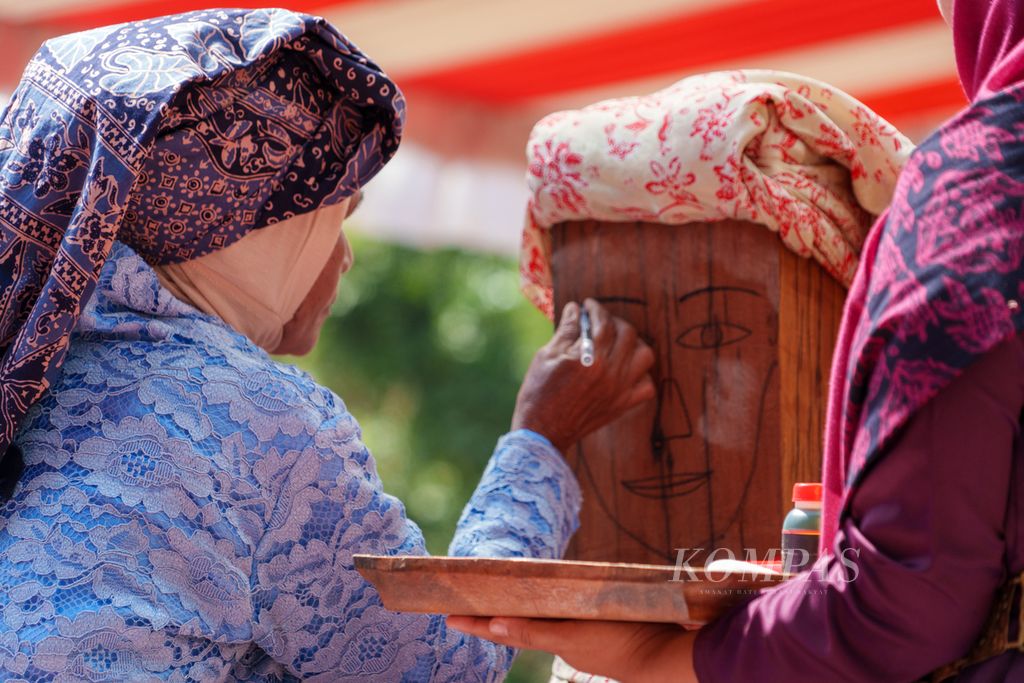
555	589
699	467
743	332
810	310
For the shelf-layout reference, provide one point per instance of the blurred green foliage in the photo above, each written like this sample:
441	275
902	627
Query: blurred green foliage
427	349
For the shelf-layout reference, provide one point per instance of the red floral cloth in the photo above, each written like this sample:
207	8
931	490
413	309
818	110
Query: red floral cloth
798	156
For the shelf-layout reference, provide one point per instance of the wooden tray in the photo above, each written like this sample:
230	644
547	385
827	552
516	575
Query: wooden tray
556	589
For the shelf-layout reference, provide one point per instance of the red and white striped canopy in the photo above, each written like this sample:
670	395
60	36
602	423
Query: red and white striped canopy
479	73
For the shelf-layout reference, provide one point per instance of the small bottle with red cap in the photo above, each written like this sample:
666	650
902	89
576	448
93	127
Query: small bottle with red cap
801	529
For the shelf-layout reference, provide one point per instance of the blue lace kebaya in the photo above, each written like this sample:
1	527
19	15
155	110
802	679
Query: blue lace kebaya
190	508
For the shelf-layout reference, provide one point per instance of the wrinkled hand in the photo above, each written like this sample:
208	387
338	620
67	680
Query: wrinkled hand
624	651
565	401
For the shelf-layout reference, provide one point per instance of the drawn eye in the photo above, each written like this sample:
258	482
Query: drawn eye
712	335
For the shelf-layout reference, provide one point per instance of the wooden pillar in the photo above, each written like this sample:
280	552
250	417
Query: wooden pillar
810	310
743	331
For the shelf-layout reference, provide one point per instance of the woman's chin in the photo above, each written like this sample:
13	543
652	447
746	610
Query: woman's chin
295	346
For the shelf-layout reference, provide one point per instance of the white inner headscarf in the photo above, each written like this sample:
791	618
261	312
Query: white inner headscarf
256	284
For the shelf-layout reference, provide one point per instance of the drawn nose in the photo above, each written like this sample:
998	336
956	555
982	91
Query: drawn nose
673	419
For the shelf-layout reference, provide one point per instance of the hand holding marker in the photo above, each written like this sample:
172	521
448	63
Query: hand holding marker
586	340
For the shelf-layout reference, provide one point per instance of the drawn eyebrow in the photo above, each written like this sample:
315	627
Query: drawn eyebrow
711	290
620	300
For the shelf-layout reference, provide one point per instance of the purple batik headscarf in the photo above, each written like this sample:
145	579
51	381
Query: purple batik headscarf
176	136
941	281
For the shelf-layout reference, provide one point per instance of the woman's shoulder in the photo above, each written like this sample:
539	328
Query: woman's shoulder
176	382
280	392
136	337
212	386
179	429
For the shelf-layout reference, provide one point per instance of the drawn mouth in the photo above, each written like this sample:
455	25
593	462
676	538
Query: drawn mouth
661	487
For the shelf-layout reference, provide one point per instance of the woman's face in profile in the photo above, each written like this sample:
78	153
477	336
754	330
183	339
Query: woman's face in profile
303	330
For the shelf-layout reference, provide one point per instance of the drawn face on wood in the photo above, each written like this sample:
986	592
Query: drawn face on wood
699	467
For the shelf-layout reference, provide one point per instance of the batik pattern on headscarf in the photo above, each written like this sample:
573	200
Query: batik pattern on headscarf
177	136
802	158
942	276
941	285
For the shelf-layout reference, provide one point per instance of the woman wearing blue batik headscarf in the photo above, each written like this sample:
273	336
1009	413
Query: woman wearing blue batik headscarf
179	506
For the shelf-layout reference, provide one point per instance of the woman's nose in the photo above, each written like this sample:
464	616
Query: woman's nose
348	258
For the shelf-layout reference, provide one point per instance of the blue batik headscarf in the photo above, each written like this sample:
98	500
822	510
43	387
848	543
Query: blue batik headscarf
176	136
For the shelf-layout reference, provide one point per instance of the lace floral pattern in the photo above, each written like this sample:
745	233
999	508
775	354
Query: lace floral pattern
190	509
